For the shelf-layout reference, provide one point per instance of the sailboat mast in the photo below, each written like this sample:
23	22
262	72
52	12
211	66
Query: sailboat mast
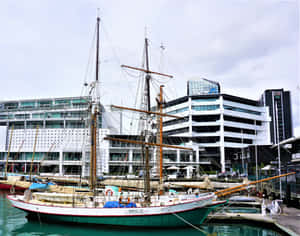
33	153
94	120
97	50
160	142
148	77
147	156
8	152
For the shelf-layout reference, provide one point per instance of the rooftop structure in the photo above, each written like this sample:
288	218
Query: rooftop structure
202	87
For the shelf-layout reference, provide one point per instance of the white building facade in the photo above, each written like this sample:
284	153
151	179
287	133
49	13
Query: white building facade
218	125
52	134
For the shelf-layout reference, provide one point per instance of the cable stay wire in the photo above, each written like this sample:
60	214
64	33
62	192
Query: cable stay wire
116	56
90	58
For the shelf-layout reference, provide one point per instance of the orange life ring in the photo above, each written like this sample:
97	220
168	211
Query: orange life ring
109	192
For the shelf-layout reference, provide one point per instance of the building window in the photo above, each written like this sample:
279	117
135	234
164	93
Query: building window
241	110
51	125
45	103
205	100
22	116
176	131
136	157
10	105
72	156
3	117
28	104
242	120
75	124
238	130
206	129
80	102
174	122
118	157
178	111
38	115
213	139
54	115
237	140
205	107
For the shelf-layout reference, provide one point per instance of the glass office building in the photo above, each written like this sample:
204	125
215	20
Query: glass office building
202	86
279	103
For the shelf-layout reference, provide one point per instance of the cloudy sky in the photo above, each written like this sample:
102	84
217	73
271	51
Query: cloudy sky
246	45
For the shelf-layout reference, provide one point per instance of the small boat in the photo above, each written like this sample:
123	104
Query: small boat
243	204
15	183
11	187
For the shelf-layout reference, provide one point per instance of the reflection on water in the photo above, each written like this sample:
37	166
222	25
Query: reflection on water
10	218
68	230
14	222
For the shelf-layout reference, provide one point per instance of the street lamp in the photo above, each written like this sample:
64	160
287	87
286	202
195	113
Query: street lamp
242	153
256	167
278	142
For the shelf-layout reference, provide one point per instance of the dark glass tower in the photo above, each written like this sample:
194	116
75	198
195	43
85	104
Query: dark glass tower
279	103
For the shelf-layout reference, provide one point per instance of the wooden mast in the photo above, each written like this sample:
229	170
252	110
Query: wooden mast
147	137
8	152
94	121
16	155
93	160
160	142
34	147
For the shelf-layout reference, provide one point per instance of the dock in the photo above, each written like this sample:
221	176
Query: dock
289	219
288	222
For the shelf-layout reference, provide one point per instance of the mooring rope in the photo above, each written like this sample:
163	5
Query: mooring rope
39	217
190	224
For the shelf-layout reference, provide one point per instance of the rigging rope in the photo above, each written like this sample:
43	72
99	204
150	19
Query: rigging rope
89	62
116	56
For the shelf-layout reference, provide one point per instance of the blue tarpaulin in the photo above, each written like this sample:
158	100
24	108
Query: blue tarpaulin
130	205
113	204
40	185
116	204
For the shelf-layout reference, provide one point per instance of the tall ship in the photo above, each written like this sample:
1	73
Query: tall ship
135	209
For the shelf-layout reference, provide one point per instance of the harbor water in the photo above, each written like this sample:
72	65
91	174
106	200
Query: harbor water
14	222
